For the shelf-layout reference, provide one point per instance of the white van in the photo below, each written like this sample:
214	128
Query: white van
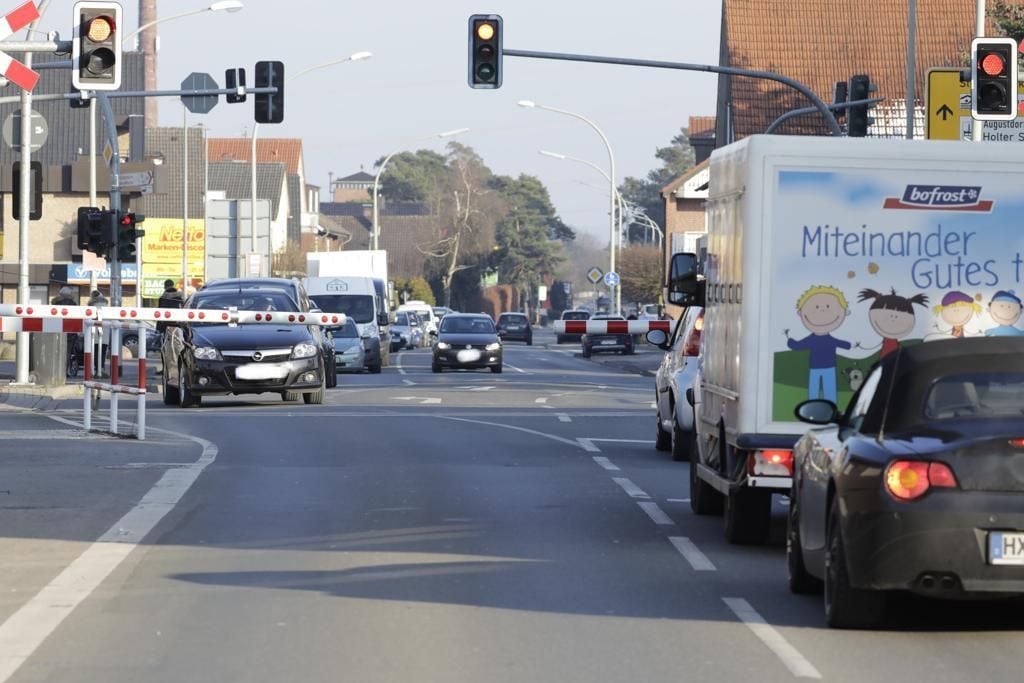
422	307
357	298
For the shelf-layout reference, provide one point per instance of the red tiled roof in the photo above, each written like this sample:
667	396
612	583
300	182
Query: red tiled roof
819	43
285	150
701	126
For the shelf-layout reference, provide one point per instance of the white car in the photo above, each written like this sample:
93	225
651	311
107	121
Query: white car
677	375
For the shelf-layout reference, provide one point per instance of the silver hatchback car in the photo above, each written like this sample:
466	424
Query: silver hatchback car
349	353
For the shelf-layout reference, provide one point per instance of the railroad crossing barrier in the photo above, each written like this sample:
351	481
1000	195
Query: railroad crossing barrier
613	326
86	320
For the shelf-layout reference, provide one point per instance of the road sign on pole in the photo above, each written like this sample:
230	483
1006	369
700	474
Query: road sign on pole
199	104
949	111
611	279
11	69
594	275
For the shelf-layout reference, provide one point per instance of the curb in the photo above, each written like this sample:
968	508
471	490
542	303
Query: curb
38	397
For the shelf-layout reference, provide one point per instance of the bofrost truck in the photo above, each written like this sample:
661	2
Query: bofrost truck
824	255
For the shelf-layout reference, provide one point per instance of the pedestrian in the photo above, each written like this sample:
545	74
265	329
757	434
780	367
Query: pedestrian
97	300
171	298
66	296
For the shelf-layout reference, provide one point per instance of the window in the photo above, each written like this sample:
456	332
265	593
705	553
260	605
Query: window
861	402
981	395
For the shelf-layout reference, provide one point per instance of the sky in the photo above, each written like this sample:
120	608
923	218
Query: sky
351	114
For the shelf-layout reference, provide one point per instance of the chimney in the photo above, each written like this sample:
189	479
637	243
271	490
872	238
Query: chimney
147	44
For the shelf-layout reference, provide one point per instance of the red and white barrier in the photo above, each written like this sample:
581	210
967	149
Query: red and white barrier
31	317
612	326
12	22
114	386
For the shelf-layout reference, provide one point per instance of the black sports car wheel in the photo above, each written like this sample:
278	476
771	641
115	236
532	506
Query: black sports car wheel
845	606
800	582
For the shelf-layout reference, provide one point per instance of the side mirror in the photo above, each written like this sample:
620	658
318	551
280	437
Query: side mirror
383	320
683	286
658	338
817	411
433	333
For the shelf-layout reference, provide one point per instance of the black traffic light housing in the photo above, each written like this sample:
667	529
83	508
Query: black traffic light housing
270	106
994	79
94	230
234	79
35	211
485	47
857	120
127	233
839	90
96	46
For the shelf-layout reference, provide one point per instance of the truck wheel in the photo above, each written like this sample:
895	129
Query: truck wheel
681	443
845	606
747	516
800	582
704	499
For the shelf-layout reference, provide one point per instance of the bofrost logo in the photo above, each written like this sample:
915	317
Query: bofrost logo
940	198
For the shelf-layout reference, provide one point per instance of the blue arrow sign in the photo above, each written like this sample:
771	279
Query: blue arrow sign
611	279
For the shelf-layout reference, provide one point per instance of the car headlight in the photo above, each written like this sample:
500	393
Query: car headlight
206	353
304	350
493	346
443	345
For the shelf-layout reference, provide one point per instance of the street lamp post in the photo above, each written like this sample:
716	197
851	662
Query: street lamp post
620	202
529	104
354	57
380	170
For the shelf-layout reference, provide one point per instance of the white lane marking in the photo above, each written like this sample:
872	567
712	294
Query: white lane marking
656	514
606	463
653	404
25	630
562	417
698	560
588	445
541	400
408	382
774	641
630	488
622	440
422	400
550	407
514	428
507	365
678	500
398	364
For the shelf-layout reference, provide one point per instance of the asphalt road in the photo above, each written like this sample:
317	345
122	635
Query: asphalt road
418	527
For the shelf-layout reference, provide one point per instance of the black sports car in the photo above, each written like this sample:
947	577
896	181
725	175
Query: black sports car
918	486
466	340
212	358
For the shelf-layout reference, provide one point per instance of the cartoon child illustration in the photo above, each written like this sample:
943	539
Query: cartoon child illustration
1005	309
956	310
891	316
822	309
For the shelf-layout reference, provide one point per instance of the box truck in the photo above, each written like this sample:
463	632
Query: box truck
824	255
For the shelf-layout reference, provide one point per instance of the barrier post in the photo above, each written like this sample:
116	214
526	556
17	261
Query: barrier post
141	428
87	345
115	357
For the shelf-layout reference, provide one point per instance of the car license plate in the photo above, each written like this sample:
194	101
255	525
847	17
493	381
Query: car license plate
259	371
468	355
1005	547
607	342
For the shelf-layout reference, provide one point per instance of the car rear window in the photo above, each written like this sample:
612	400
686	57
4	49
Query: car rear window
981	395
575	315
521	319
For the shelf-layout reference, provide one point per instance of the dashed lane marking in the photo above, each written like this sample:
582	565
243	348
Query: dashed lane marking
562	417
541	400
678	500
630	488
606	463
698	560
656	514
773	640
408	382
588	445
519	370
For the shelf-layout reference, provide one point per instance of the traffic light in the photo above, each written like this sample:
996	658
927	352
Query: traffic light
485	51
96	46
127	233
994	82
233	79
839	97
93	230
35	211
857	121
270	106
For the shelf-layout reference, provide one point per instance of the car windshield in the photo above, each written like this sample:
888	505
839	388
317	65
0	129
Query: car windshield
575	315
423	317
359	307
982	395
467	325
347	331
401	319
243	300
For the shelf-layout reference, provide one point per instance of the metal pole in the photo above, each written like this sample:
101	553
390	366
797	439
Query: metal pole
141	422
911	65
252	208
115	192
978	127
115	372
87	405
184	203
92	152
25	178
376	191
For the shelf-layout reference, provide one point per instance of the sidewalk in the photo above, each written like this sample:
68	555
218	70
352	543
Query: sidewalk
40	397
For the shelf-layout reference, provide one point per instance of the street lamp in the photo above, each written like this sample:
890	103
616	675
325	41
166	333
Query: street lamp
354	57
529	104
380	170
223	6
604	174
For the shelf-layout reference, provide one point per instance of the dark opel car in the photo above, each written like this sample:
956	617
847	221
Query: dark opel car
515	327
917	486
598	343
467	341
219	358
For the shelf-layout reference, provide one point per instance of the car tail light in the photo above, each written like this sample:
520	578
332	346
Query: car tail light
1017	443
909	479
773	463
691	347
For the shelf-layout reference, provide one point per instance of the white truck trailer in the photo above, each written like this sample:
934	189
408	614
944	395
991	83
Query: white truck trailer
823	255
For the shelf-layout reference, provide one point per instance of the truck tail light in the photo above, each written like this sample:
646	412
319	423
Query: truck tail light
911	479
772	463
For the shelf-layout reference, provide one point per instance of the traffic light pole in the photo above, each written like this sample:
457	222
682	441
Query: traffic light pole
977	127
811	110
819	105
103	100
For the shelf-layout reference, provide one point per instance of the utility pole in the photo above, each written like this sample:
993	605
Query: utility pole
978	127
147	43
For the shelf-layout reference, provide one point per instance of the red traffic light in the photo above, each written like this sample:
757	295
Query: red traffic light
993	65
